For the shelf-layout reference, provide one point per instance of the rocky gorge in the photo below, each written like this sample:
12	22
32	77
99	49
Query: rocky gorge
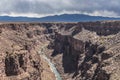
79	51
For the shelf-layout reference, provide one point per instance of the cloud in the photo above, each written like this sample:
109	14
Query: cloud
38	8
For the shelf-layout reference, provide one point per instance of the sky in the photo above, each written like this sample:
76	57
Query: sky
40	8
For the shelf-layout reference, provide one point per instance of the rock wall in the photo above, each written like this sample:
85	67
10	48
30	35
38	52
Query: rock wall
87	54
79	57
19	46
80	51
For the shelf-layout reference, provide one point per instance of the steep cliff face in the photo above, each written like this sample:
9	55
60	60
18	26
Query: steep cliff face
19	46
89	54
82	59
80	51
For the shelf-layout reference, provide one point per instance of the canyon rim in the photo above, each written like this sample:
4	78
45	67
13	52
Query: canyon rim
73	51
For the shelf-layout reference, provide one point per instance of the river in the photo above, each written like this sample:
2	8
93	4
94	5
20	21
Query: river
52	66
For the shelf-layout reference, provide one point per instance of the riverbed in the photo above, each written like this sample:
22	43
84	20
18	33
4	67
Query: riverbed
52	66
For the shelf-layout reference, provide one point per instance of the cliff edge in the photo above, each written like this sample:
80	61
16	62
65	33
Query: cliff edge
79	51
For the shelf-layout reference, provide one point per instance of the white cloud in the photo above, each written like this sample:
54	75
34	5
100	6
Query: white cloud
104	13
38	8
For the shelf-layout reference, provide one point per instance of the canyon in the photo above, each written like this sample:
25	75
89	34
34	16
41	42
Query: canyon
77	51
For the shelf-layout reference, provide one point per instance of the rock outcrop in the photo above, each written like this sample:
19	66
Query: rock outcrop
89	53
80	51
19	46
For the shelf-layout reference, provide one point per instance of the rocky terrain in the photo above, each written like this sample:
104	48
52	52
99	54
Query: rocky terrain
19	58
79	51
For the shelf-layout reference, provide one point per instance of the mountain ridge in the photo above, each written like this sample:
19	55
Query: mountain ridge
57	18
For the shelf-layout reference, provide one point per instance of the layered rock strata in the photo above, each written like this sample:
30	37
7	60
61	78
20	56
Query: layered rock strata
80	51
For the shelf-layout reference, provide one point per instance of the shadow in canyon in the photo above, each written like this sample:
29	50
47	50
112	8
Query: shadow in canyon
79	61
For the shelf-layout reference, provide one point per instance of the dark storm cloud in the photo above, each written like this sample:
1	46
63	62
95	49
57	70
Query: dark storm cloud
46	7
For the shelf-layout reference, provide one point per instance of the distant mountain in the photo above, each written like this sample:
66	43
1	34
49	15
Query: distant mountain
57	18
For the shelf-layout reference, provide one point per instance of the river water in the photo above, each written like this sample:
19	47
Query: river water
52	66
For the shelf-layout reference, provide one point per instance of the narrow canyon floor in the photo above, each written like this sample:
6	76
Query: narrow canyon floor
78	51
